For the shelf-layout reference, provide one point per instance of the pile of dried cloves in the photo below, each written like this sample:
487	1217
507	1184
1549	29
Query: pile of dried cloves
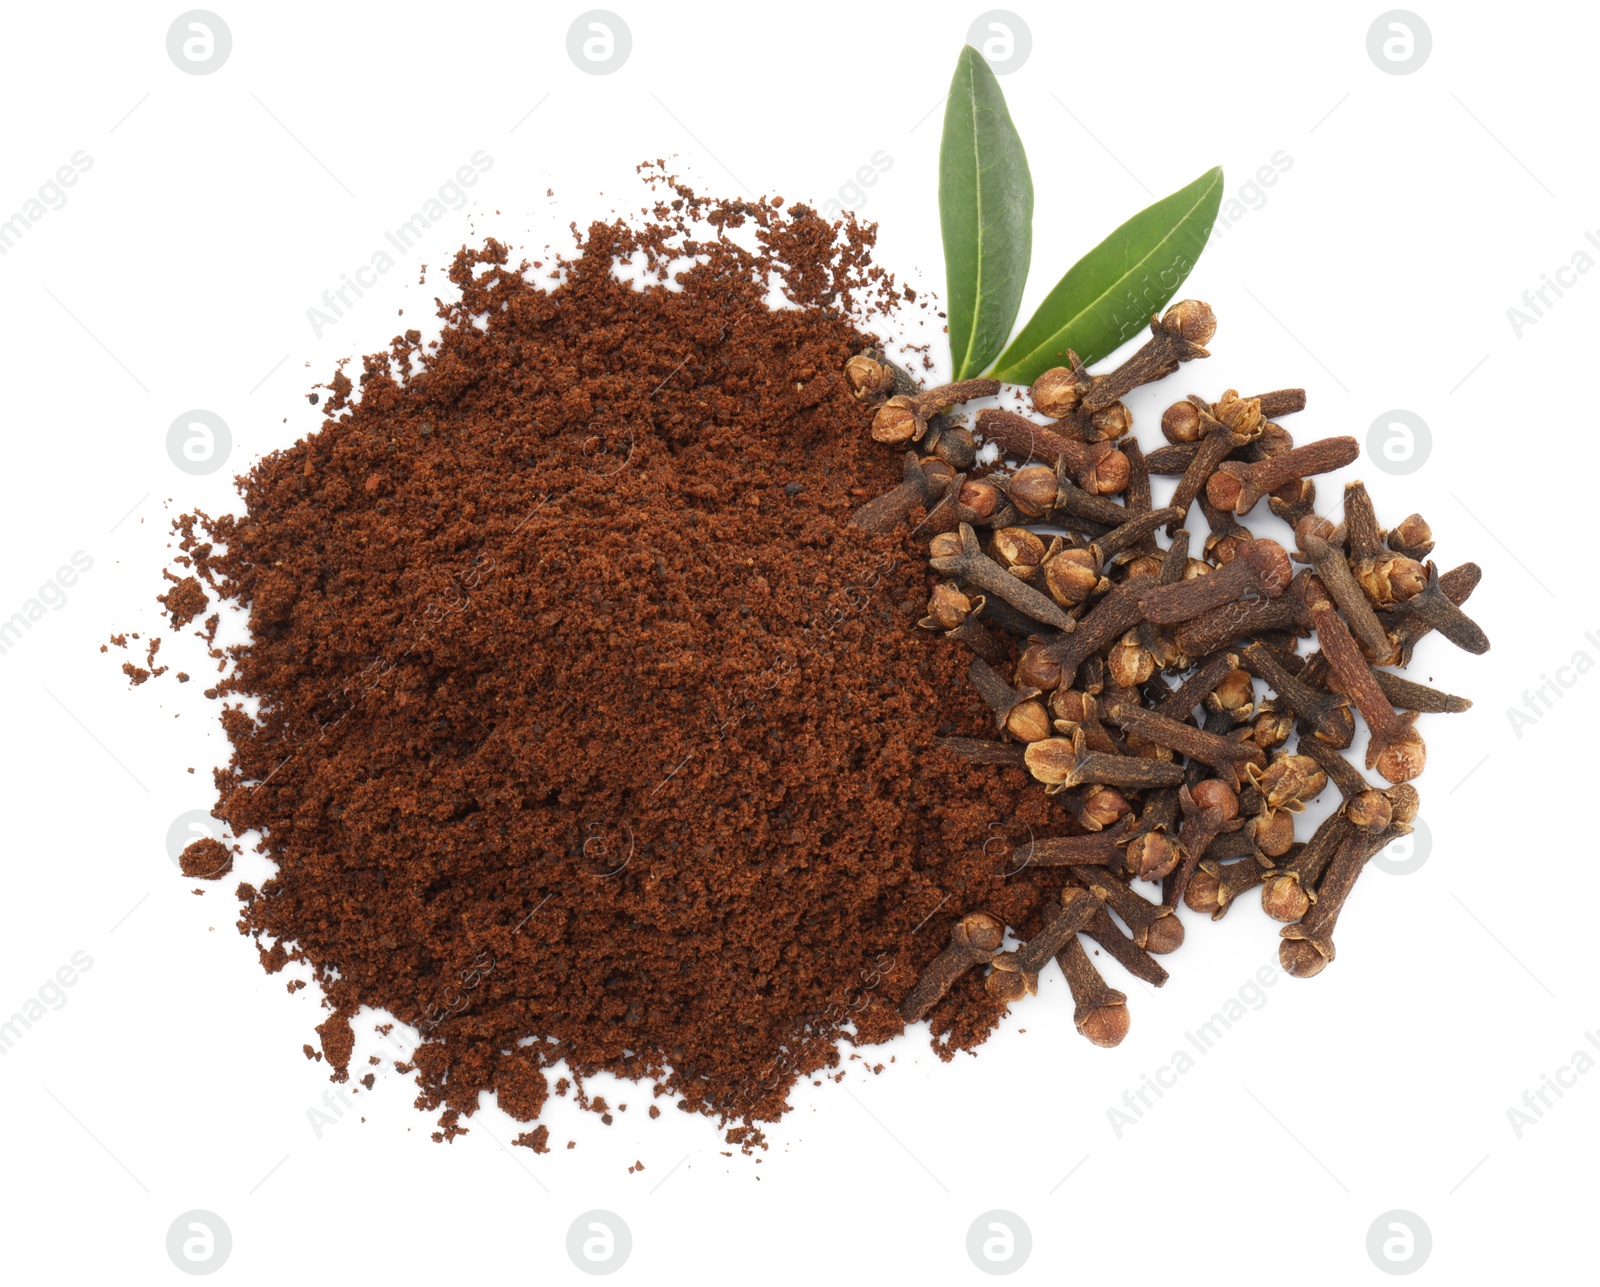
1154	692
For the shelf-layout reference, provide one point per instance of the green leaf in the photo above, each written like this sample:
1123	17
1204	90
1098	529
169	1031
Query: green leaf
986	214
1107	297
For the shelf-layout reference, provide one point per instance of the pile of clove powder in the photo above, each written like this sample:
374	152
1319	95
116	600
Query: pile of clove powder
1157	692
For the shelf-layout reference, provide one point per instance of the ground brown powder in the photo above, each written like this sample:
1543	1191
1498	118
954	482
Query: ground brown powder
583	720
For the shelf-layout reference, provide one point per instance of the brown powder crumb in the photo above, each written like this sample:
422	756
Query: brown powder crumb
627	647
206	859
637	1166
572	1143
368	1079
121	641
654	1111
311	1053
184	602
183	678
338	1042
136	674
538	1139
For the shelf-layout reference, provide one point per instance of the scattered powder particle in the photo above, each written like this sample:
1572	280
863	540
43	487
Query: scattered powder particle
184	602
538	1139
206	859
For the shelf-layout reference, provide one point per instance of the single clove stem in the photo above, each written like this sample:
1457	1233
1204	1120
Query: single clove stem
1204	818
1343	774
1237	486
1131	533
974	940
1215	886
1212	450
1154	927
1101	849
1326	715
1116	614
973	567
1363	538
1078	908
1061	763
1199	685
904	417
1098	467
1260	568
1100	1012
1394	746
1434	608
919	487
1246	618
1123	950
975	750
1225	754
1175	338
1005	701
1286	893
1307	946
1340	583
1281	402
1408	695
1408	629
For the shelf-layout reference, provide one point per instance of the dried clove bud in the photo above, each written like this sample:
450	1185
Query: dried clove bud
974	940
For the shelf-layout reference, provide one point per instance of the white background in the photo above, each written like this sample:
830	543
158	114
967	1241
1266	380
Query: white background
1378	273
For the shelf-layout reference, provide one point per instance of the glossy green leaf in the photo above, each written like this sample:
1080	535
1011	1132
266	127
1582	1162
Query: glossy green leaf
1107	297
986	214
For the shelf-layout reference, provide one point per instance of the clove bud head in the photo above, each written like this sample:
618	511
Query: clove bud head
1181	423
1033	489
1152	856
1204	893
896	421
1403	758
1106	1024
1164	935
1057	392
1193	320
1283	898
1369	811
979	931
1301	958
867	377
